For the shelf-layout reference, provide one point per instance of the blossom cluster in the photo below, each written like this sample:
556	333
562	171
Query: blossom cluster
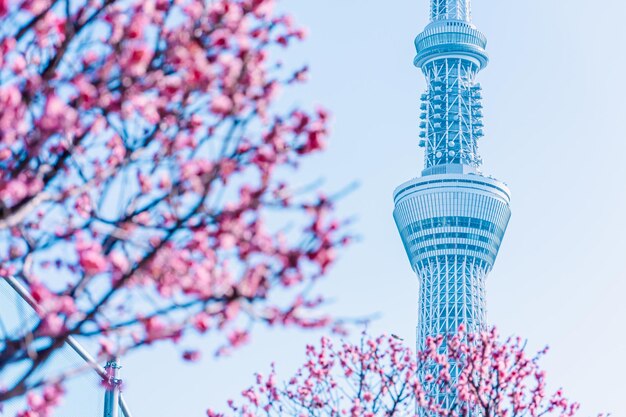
459	375
146	174
42	404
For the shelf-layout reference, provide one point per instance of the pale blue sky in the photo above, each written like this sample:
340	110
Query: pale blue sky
554	115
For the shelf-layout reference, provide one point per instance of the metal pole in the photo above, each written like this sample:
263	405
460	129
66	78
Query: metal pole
124	407
71	341
112	396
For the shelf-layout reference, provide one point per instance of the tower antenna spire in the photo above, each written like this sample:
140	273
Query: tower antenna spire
450	10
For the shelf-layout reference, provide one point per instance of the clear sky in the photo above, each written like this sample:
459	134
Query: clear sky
555	110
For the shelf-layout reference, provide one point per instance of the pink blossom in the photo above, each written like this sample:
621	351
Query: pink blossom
52	325
15	191
191	355
144	182
156	329
202	322
107	348
5	154
57	115
221	105
90	258
83	205
119	261
238	338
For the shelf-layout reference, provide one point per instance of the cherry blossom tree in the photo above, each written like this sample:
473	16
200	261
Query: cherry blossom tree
146	161
482	375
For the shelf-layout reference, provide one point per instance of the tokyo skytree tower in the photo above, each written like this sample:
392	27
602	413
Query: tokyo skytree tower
451	219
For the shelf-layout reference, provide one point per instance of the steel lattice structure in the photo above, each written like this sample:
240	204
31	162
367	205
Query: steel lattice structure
453	218
450	9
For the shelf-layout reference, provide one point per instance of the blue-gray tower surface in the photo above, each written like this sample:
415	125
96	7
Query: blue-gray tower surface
451	219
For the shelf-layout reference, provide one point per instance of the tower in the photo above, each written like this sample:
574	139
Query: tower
451	219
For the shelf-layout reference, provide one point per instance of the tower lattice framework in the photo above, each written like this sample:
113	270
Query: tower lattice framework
452	218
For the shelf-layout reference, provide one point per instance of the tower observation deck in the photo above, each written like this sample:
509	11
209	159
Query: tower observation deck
451	219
